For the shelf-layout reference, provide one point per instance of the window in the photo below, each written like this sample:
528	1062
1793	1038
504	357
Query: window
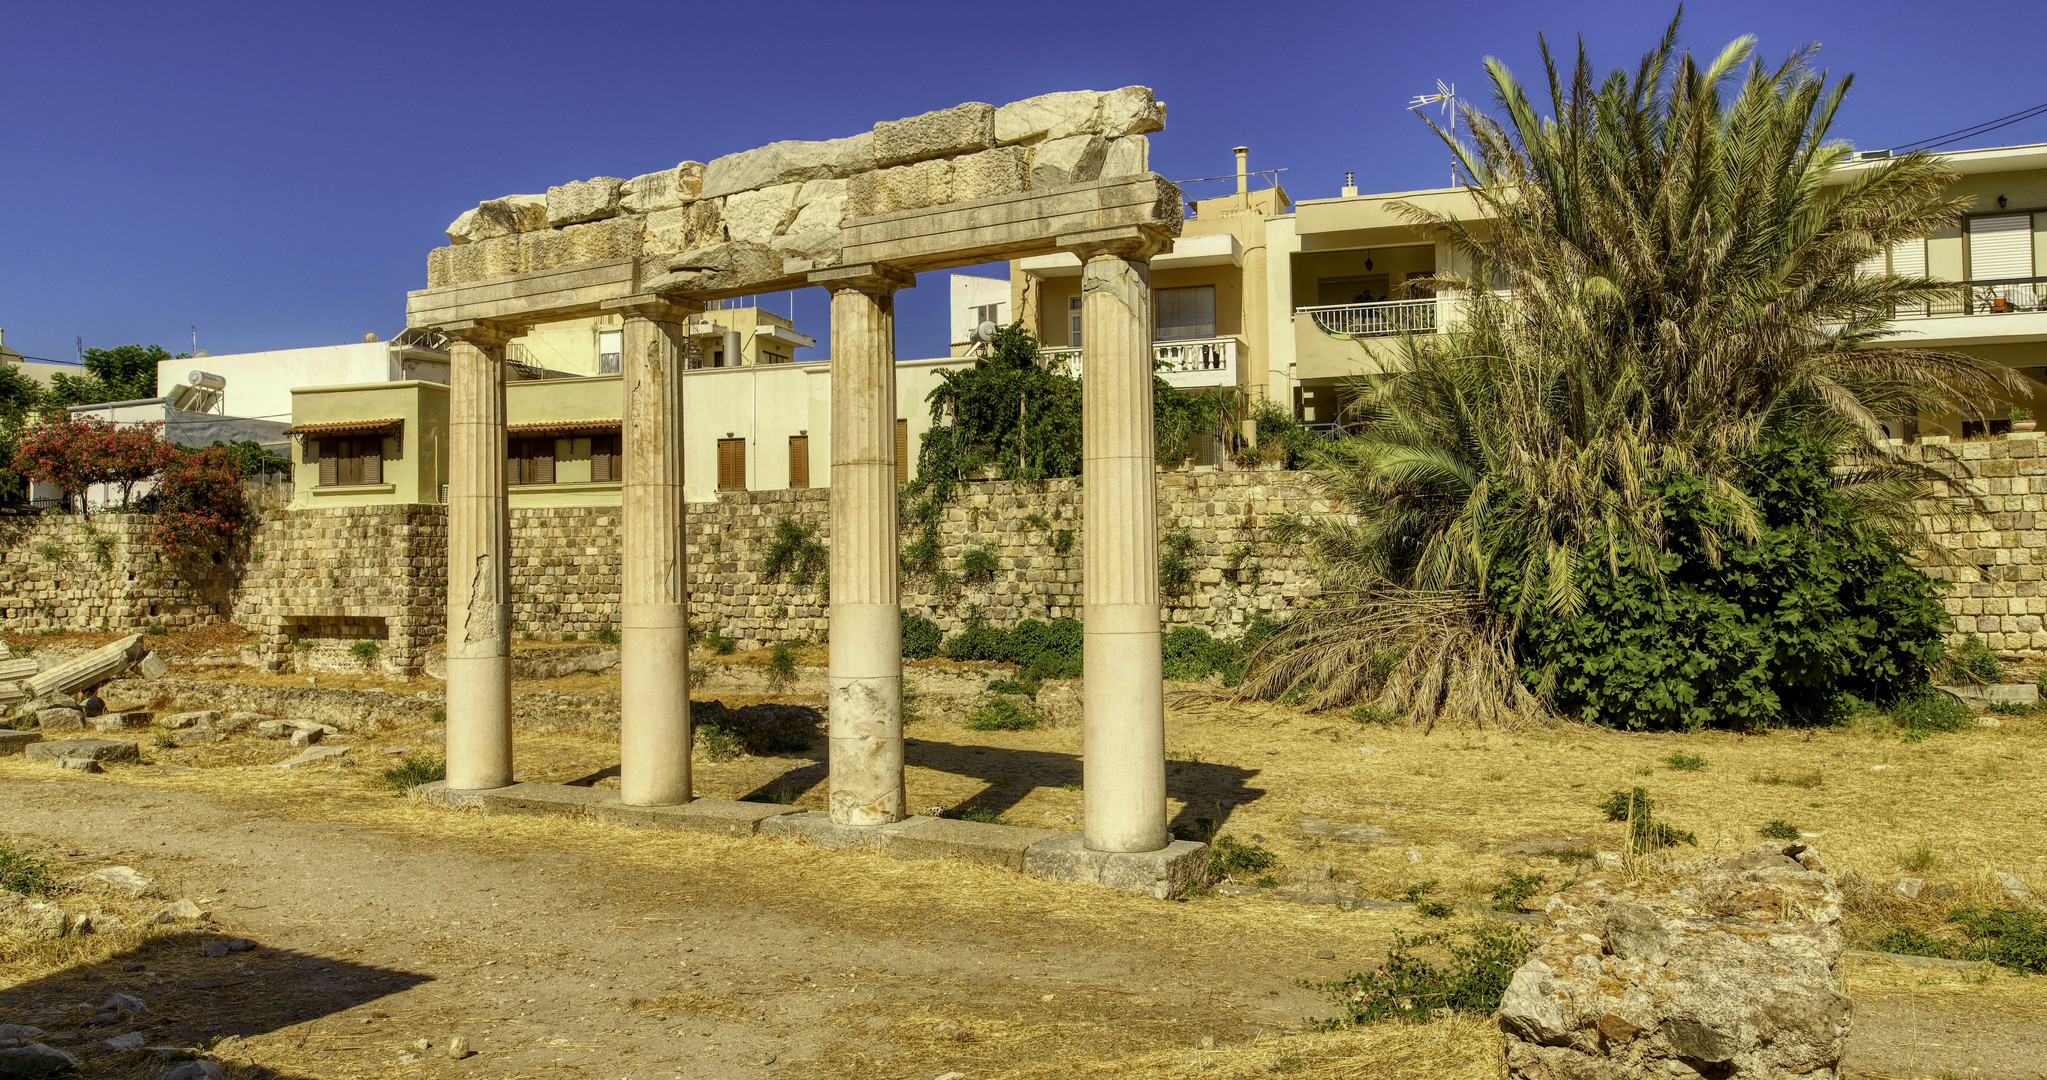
799	461
530	461
902	451
346	462
1184	313
988	313
731	464
604	464
1073	322
610	347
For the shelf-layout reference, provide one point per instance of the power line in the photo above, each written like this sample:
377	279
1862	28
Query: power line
1973	130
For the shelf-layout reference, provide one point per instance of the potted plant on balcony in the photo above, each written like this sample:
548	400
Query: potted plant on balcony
2021	419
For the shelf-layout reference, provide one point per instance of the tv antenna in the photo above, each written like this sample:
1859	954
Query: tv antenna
1445	99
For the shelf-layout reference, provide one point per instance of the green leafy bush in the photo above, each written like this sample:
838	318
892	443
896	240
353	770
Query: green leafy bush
606	634
794	552
1176	569
978	564
720	642
1821	606
1192	654
921	637
1230	857
1012	686
1062	542
1684	762
1779	829
413	770
1471	978
2009	937
781	665
1927	710
1001	714
724	733
1645	832
21	872
1514	893
365	652
1972	662
1039	650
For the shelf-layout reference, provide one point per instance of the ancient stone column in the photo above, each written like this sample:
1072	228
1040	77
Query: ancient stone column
653	727
866	622
1123	798
479	553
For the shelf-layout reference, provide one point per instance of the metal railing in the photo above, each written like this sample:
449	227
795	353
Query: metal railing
1189	362
1379	319
2003	296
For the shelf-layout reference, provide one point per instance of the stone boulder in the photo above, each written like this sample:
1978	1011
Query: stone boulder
756	217
961	129
1724	967
583	200
1048	117
499	217
1127	156
1131	111
664	190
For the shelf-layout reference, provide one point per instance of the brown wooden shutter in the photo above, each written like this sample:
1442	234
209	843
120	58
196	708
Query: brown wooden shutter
373	460
330	462
600	458
902	451
731	464
543	461
515	454
799	461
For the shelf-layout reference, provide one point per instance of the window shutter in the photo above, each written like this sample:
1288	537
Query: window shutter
330	463
799	461
902	451
543	461
1908	258
731	464
1185	312
600	458
515	453
2000	247
373	460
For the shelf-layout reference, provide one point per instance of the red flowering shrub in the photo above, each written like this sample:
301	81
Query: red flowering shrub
200	506
75	453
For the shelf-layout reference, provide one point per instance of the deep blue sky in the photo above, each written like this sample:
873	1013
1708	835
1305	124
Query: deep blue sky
275	173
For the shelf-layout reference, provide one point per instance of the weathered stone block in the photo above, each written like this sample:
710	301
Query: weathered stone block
14	742
907	187
783	162
942	133
664	190
603	241
757	217
583	200
1165	874
686	228
1131	110
543	799
1048	117
817	827
974	841
720	817
1002	171
500	217
1072	160
95	749
1127	156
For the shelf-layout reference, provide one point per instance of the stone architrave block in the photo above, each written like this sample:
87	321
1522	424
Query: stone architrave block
439	269
603	241
14	742
1047	117
686	228
1163	874
720	266
1002	171
719	817
504	216
943	133
94	749
757	217
664	190
1073	160
1127	156
544	250
906	187
544	799
1629	980
1131	110
583	200
783	162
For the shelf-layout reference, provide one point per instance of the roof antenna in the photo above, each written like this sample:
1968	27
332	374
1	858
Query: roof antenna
1445	98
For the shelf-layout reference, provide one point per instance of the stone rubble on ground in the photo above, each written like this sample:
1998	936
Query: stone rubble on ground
313	756
125	880
1722	967
131	1041
194	1070
1908	887
2016	890
222	948
179	721
35	1060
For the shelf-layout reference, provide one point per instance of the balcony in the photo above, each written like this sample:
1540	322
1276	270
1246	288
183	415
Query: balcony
1187	364
1384	318
2007	296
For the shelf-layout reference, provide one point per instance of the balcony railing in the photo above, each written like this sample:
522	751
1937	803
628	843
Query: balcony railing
2006	296
1185	363
1381	319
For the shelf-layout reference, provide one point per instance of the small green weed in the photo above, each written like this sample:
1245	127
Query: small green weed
2011	708
1645	833
1372	715
1927	710
1684	762
1001	714
921	637
164	741
1779	829
720	642
1773	778
1517	890
413	770
366	652
1920	858
1418	895
781	665
978	564
1471	978
1230	857
1972	662
1176	569
2008	937
1011	686
1062	542
21	872
977	813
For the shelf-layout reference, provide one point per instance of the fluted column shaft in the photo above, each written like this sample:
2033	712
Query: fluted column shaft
654	721
866	643
1123	694
479	581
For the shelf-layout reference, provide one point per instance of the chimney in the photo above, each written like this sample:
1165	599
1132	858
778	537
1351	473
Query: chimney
1243	169
1350	184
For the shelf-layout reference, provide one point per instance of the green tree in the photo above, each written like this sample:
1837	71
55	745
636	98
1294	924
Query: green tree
122	373
1666	279
20	396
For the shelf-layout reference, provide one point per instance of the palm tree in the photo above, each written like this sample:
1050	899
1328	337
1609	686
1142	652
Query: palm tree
1666	270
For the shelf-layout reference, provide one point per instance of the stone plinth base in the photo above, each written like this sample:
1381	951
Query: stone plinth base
89	749
1045	853
13	742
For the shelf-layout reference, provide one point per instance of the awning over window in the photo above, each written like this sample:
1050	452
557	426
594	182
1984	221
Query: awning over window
347	427
565	427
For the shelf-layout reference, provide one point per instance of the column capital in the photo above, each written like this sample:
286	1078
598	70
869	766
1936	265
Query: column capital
480	333
1138	243
874	278
656	306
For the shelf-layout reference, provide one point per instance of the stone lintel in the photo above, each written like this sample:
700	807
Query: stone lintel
719	817
974	841
1011	226
13	742
1127	241
543	799
818	827
562	293
1164	874
93	749
660	307
484	334
870	277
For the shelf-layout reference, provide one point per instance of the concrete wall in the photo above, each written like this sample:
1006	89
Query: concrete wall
415	460
260	384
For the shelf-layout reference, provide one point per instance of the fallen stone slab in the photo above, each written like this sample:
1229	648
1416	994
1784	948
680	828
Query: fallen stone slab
35	1060
79	764
974	841
1323	829
313	756
14	742
92	669
1982	697
96	749
197	718
14	669
818	827
61	718
2013	886
16	1034
1163	874
125	880
720	817
239	721
121	721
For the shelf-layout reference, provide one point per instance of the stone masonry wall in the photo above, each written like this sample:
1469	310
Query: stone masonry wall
1988	523
317	581
63	572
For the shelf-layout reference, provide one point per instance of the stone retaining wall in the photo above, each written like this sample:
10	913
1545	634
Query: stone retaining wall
63	572
1987	520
